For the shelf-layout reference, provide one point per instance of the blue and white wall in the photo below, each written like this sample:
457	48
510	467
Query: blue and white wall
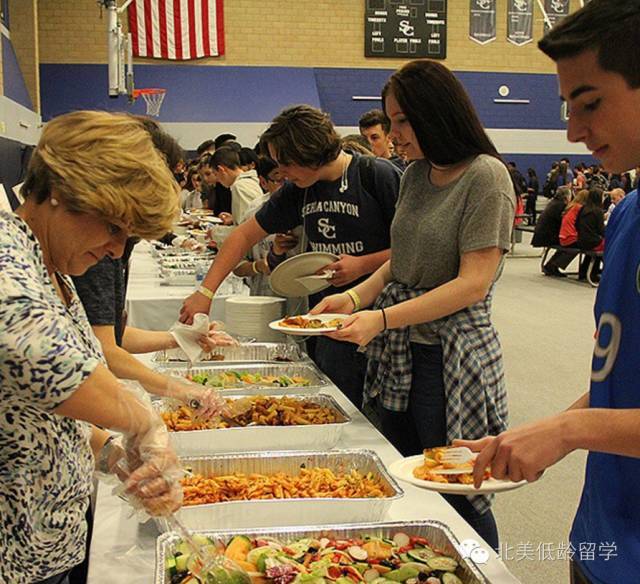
202	102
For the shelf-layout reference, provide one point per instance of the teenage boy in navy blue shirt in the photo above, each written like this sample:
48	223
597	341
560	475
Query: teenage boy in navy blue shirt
597	53
345	204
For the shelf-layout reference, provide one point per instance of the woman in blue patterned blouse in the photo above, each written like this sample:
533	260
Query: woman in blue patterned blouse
94	179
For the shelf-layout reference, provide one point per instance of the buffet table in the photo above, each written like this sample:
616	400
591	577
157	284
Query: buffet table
123	550
152	306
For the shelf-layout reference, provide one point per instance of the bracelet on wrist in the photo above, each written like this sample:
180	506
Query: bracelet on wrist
206	292
355	298
384	319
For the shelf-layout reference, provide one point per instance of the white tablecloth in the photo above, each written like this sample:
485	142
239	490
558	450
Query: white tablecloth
152	306
122	550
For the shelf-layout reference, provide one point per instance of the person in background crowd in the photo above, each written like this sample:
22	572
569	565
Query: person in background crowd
344	203
567	236
565	174
244	184
374	126
248	159
627	182
590	228
217	196
55	390
547	232
191	195
533	189
595	50
207	147
256	268
615	181
223	140
356	143
551	182
616	195
580	180
432	311
598	180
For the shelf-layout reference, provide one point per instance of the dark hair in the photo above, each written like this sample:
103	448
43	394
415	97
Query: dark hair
303	135
594	200
204	147
222	138
532	172
164	143
265	166
248	156
225	157
373	118
611	28
356	143
440	112
191	172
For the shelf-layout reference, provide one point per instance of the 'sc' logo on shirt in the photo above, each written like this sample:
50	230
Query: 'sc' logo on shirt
326	229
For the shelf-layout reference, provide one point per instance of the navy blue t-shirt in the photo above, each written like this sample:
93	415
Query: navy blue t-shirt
355	222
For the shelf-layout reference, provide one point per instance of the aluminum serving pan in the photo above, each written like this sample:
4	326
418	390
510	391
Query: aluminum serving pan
438	534
265	352
260	438
317	381
270	512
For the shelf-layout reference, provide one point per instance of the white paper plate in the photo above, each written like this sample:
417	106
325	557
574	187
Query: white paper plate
404	467
284	277
276	326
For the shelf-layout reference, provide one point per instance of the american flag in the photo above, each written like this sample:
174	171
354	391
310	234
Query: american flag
177	29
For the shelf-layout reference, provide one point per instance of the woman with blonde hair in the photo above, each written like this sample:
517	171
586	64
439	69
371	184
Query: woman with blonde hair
94	179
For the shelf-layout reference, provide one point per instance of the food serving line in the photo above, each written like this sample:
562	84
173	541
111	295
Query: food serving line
124	550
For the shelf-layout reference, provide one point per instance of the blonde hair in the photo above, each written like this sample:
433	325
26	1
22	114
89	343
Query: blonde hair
580	198
105	164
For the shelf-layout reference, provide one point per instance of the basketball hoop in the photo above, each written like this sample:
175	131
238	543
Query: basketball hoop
153	98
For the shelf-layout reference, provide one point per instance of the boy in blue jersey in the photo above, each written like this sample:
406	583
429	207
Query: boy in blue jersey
597	53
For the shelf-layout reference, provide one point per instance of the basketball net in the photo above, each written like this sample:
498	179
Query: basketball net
153	99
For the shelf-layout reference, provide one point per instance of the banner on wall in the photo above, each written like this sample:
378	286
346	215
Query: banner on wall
556	10
177	30
482	21
520	21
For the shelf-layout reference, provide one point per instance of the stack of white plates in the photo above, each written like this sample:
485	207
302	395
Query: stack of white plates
249	316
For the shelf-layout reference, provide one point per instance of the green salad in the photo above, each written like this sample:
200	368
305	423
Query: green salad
368	560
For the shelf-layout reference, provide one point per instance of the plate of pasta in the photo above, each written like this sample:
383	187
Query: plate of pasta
308	324
420	470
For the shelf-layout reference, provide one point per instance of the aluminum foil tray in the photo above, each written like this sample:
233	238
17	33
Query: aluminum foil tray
270	512
306	370
438	534
278	352
260	438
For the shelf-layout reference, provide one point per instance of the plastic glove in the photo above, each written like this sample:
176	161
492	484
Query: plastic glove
205	401
215	339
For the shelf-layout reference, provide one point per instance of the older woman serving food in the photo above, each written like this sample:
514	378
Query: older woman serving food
94	179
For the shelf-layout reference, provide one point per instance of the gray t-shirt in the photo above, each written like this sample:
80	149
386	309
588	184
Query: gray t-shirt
434	226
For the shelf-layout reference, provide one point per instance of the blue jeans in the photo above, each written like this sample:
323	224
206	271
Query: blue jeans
342	363
424	425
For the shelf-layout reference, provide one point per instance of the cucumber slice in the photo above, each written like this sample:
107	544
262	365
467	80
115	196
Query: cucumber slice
421	554
181	563
442	563
170	566
401	539
449	578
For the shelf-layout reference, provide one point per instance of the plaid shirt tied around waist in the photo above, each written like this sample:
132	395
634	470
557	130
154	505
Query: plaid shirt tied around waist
473	374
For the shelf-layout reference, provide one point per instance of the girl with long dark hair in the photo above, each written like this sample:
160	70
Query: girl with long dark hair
435	362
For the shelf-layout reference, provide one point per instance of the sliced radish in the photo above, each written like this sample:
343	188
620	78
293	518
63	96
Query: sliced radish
370	575
401	539
358	553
